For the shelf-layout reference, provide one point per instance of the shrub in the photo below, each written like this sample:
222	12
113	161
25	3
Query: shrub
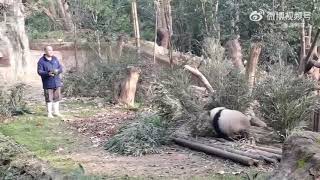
285	99
97	78
12	101
230	85
145	136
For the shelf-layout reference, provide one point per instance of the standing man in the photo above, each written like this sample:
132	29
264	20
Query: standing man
49	69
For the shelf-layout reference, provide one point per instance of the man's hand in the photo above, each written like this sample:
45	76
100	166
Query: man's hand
51	73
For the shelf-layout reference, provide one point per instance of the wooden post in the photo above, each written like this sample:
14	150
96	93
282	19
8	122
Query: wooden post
129	86
252	65
233	48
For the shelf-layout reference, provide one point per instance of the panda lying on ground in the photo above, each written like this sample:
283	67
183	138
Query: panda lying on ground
229	124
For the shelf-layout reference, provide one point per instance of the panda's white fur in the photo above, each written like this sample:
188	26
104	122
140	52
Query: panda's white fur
227	123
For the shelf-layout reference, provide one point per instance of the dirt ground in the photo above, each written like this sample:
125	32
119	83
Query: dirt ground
173	162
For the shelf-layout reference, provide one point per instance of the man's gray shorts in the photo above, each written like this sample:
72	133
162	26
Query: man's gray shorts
52	95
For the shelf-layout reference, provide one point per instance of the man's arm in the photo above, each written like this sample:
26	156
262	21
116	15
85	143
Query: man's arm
41	70
60	70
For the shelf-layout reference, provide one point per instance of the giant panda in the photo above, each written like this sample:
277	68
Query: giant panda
229	123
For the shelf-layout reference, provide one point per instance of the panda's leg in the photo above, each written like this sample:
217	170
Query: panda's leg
226	137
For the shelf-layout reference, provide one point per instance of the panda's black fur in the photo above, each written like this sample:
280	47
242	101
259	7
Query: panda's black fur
232	123
215	124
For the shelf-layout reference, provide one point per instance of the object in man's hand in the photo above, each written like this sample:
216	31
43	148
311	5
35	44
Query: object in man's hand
55	71
51	73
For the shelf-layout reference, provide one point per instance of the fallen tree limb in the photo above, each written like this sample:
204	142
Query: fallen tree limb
201	77
215	151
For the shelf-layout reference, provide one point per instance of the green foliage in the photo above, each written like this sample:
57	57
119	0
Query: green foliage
98	78
142	137
106	16
173	97
39	26
285	99
12	101
231	87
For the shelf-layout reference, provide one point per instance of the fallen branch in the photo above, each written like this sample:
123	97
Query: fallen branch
218	152
201	77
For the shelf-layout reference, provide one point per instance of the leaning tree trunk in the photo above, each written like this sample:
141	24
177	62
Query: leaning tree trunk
14	44
129	86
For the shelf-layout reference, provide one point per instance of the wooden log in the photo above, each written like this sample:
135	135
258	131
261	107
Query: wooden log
266	154
215	151
201	77
271	150
251	155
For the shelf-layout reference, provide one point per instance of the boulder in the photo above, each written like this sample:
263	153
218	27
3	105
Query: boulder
300	158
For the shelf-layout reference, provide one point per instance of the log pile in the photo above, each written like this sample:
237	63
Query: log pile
249	155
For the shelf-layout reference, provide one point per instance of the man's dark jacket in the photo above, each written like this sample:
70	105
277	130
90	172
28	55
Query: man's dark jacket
44	67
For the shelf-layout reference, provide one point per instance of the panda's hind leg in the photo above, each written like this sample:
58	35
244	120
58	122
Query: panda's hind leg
223	136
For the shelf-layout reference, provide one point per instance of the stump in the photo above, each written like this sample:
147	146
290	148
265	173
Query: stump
300	158
128	86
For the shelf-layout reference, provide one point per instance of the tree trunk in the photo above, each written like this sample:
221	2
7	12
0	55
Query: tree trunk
303	48
76	47
120	44
233	48
203	6
136	24
52	8
65	15
129	85
164	23
14	43
252	64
